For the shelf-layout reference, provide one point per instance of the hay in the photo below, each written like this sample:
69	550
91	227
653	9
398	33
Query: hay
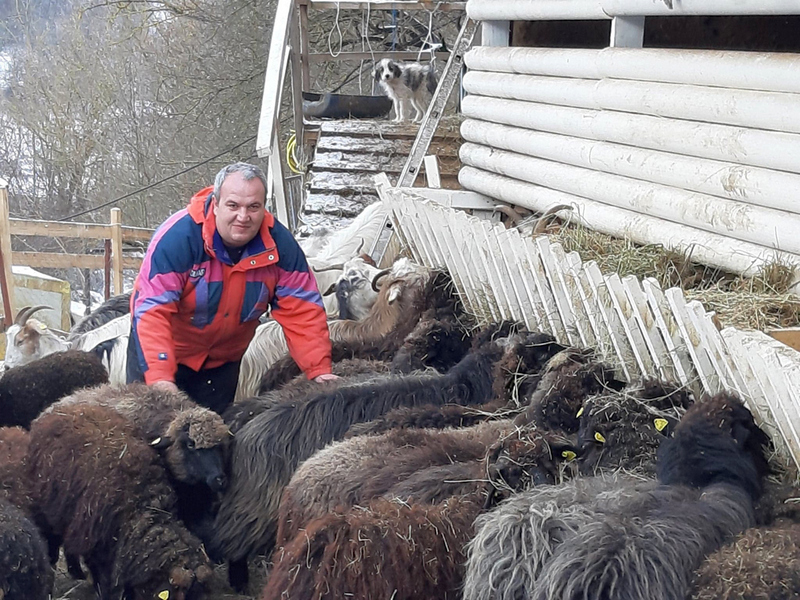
760	302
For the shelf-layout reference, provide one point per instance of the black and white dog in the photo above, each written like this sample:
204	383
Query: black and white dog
406	83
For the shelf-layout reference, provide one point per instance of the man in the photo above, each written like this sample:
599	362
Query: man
210	271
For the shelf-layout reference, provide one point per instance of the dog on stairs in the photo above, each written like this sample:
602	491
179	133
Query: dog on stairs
407	83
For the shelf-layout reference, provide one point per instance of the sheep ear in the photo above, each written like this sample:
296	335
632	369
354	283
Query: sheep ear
161	442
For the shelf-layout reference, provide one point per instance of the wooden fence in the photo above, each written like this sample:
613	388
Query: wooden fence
642	330
112	261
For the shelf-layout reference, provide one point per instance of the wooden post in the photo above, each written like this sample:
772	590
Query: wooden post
5	249
116	248
495	33
296	81
107	269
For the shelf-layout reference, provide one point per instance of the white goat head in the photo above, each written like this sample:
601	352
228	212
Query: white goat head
29	339
356	289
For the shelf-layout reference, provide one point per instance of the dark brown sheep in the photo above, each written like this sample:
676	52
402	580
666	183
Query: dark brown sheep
27	390
762	564
105	495
15	486
388	549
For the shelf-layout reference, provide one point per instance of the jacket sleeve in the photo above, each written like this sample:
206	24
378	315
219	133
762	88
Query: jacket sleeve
297	306
159	286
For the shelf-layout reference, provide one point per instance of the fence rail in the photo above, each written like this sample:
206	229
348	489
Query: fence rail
636	326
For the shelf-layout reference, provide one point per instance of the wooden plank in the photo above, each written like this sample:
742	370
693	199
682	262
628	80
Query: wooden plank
432	176
376	145
633	336
712	342
59	229
136	234
273	80
789	336
511	244
611	321
462	267
691	337
547	302
502	276
463	232
553	271
375	128
116	249
668	330
63	261
8	256
316	58
567	278
385	5
351	161
646	322
586	301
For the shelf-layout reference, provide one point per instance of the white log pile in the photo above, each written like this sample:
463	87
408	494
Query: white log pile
689	149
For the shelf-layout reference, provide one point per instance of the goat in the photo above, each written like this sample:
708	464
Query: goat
29	339
268	345
113	505
27	390
400	304
114	307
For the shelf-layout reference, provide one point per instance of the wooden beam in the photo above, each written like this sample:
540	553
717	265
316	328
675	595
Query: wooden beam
90	231
304	46
627	32
495	33
789	336
320	57
273	81
5	248
116	248
432	175
64	261
387	5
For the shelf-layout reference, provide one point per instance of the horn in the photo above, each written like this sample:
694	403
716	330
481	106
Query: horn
512	215
330	290
26	312
548	215
377	278
360	246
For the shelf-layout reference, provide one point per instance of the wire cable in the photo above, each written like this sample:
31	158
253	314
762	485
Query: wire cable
159	182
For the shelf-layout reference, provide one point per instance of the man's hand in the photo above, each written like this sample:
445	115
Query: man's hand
165	386
325	377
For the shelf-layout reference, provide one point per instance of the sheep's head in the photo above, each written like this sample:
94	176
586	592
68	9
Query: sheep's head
29	339
185	580
195	446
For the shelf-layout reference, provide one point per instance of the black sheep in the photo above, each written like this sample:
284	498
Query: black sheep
27	390
25	572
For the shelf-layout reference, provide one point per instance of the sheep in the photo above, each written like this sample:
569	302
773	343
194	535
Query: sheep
386	550
762	564
569	379
513	542
648	548
717	441
192	440
438	344
239	413
356	288
623	430
14	482
24	568
106	497
29	339
270	447
27	390
415	465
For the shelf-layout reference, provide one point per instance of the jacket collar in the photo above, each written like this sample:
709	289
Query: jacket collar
259	252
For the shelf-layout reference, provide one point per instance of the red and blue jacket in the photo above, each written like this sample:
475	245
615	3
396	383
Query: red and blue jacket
192	306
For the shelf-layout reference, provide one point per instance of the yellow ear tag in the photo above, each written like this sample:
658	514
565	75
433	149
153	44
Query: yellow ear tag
661	424
599	437
568	454
580	412
164	595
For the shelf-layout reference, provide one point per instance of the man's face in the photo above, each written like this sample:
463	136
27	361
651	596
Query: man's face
240	209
